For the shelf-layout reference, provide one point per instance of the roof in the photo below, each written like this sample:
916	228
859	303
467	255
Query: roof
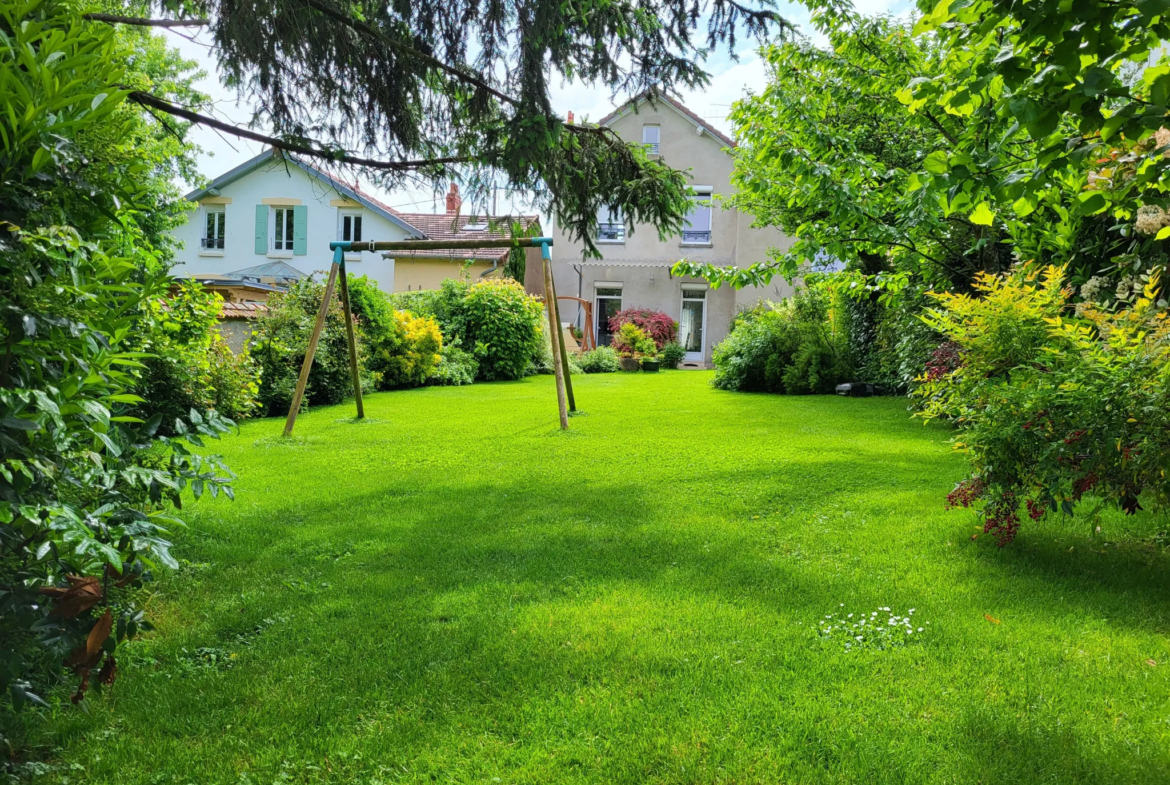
279	272
351	191
677	106
446	226
242	310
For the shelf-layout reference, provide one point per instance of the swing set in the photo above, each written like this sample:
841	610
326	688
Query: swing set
565	400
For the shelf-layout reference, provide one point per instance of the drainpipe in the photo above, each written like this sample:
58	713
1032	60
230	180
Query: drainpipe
495	266
580	286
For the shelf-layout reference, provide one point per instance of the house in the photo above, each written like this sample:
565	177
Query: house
270	221
634	271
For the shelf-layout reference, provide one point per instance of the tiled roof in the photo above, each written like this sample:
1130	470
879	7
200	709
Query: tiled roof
699	121
242	310
445	226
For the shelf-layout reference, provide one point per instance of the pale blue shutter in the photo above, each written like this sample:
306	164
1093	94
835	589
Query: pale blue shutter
300	230
261	228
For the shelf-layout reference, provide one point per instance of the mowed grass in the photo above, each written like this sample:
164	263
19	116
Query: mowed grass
454	591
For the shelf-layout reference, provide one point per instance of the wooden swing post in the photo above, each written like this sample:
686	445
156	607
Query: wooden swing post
340	248
338	267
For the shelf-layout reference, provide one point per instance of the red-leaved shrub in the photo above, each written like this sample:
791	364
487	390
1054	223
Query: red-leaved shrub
656	324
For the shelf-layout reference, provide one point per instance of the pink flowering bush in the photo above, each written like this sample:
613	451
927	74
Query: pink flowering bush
656	324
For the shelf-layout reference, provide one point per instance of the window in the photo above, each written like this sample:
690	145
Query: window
693	320
609	302
351	227
697	229
282	229
611	228
213	230
651	136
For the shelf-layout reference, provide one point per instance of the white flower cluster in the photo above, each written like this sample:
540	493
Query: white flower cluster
880	629
1150	218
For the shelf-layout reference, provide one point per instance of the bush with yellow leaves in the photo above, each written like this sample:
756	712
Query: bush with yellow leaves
1053	406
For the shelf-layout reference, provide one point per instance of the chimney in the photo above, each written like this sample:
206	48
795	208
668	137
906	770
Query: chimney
570	118
453	200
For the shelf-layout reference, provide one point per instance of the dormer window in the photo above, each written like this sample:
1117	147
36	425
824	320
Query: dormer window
651	137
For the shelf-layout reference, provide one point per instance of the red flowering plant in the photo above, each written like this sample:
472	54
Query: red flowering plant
1052	409
657	324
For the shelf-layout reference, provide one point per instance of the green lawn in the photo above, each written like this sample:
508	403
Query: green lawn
453	591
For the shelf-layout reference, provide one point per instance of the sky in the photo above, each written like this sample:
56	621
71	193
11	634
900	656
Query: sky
730	80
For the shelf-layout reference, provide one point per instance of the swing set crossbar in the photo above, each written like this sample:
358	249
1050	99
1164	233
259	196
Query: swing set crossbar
349	246
337	274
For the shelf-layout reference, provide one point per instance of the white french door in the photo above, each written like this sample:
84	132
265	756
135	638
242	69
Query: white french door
692	323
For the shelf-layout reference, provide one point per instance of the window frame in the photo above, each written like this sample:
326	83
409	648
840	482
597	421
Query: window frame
598	287
357	220
700	193
620	222
220	211
288	230
652	147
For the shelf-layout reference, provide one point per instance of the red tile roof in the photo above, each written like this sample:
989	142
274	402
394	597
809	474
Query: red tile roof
242	310
445	226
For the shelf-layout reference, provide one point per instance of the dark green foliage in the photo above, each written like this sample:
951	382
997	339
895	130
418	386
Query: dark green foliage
603	359
456	367
191	366
87	490
796	346
282	338
671	354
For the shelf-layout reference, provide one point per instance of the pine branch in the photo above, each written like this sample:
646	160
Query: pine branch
140	22
365	29
335	156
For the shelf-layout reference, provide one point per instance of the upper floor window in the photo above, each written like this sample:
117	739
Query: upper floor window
213	229
611	227
651	137
350	229
282	229
697	227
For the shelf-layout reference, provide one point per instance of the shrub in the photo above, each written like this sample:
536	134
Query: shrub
656	324
671	354
456	366
1051	409
603	359
282	338
630	340
414	354
797	346
498	320
191	365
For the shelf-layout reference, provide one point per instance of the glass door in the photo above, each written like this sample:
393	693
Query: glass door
609	302
692	324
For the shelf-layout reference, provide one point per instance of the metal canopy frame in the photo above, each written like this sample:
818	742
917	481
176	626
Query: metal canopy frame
565	399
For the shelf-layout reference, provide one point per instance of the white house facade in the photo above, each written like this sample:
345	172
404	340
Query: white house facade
634	271
278	208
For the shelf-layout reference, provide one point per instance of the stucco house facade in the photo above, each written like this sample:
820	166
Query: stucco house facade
278	210
634	271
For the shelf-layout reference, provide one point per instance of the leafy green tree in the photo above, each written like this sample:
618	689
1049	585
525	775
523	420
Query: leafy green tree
86	488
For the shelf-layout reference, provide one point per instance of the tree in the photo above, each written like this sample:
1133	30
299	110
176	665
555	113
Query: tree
423	88
86	489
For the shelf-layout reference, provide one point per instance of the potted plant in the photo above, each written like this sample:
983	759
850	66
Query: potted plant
632	344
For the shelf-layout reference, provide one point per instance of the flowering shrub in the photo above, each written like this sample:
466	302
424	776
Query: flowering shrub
632	341
656	324
1052	409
